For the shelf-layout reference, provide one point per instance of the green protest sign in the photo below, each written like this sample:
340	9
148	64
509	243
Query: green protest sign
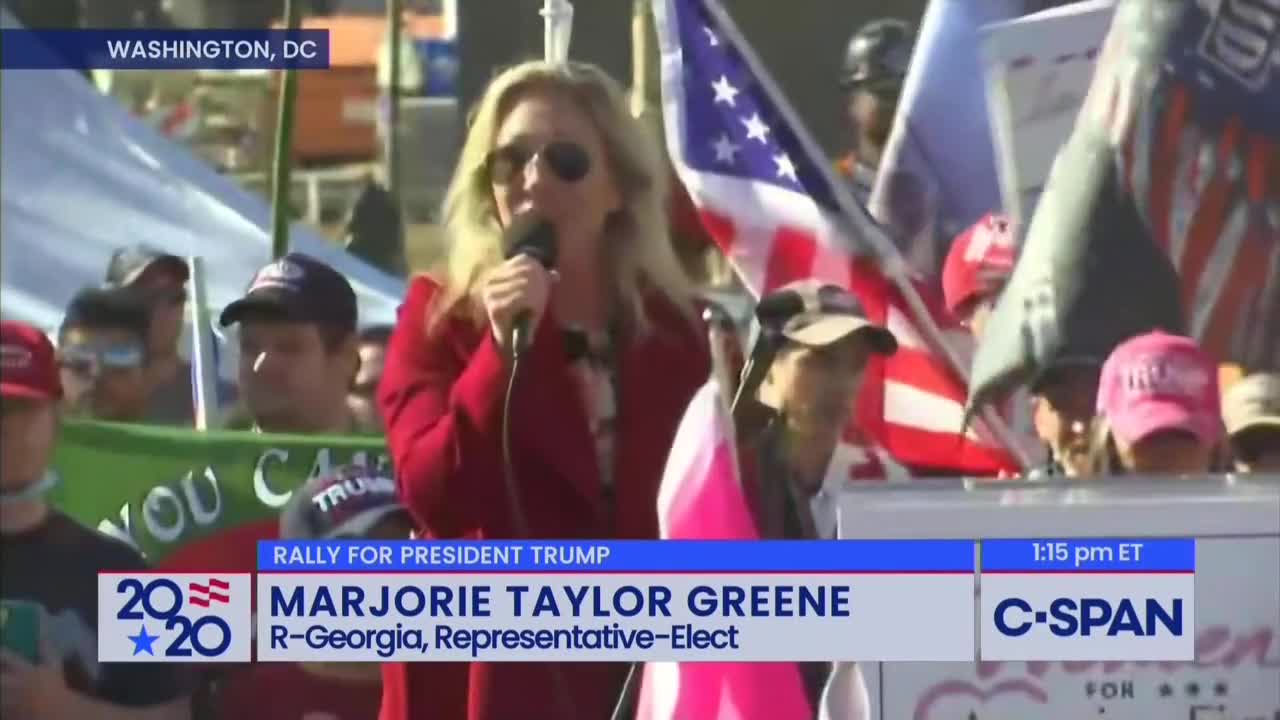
190	498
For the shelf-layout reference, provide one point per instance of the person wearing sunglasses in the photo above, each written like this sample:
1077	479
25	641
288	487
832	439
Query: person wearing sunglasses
102	356
875	66
617	353
160	279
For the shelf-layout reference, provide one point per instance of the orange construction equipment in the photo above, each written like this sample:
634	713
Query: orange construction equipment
337	111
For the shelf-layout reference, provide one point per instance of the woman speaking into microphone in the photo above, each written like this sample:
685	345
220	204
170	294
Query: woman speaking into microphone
556	240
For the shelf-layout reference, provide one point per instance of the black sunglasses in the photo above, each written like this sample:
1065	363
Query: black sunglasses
568	160
84	358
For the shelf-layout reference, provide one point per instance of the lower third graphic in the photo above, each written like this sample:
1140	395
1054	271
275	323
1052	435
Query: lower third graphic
174	617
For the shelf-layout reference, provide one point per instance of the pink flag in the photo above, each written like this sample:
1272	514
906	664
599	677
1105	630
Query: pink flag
701	498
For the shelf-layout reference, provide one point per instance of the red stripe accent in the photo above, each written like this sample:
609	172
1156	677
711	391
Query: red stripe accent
1256	161
923	448
1207	223
1247	278
924	371
868	426
204	590
1164	164
719	227
920	369
791	258
1249	269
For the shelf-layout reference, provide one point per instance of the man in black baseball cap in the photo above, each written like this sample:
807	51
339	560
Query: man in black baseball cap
298	350
131	264
160	281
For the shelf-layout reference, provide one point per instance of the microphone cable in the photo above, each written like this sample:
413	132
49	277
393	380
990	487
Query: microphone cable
515	506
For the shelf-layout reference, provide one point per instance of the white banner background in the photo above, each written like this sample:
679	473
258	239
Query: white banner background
1236	523
1238	649
890	616
1038	69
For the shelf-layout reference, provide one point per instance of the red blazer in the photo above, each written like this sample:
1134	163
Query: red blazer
442	396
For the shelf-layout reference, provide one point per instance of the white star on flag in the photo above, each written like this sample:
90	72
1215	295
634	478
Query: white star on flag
725	91
756	129
726	149
786	168
712	40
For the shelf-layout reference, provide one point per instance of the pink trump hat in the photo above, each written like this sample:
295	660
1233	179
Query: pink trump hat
1158	382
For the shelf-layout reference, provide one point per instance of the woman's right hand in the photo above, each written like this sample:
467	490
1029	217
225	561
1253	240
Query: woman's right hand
521	283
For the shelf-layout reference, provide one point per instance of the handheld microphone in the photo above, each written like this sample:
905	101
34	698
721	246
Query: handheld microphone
533	236
771	312
778	306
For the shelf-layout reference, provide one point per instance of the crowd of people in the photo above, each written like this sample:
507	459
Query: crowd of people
307	365
575	445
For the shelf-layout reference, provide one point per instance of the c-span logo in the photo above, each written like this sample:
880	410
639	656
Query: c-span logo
174	617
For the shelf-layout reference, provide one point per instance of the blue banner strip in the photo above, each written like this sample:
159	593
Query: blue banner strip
164	49
1100	555
658	556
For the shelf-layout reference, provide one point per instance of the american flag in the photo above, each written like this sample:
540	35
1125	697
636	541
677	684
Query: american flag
774	207
1200	156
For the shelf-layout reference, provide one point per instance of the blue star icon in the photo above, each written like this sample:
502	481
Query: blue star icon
142	642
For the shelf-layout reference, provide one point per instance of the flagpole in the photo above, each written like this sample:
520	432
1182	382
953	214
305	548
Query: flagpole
625	706
557	30
891	261
280	181
204	367
639	58
393	100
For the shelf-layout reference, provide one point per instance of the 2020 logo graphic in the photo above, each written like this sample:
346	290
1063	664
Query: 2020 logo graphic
174	617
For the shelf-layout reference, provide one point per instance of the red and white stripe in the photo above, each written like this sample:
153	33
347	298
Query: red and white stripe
911	403
1211	198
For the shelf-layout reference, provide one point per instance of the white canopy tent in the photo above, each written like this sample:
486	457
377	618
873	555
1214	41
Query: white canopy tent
82	176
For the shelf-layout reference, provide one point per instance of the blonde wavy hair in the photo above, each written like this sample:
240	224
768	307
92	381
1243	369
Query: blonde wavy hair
639	250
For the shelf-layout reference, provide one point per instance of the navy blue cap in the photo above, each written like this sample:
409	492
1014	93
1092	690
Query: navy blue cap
297	288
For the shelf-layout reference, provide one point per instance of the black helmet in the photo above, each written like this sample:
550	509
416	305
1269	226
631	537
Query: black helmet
880	50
